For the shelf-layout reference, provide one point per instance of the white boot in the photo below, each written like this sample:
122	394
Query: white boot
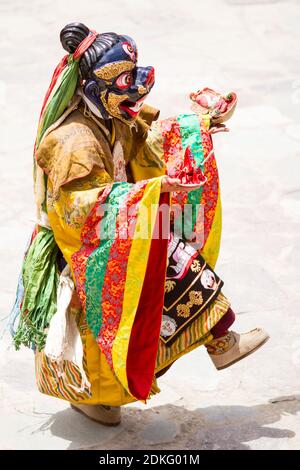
233	347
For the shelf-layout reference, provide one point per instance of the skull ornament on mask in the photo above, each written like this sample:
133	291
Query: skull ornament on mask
110	77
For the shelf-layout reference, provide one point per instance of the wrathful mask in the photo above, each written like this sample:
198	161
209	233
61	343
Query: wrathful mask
116	85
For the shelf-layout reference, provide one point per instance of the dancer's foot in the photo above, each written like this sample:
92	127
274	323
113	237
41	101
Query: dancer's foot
233	347
107	415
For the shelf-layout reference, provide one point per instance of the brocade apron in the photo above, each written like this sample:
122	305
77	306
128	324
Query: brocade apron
191	286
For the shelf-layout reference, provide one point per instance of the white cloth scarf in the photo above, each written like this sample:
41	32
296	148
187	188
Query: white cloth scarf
63	341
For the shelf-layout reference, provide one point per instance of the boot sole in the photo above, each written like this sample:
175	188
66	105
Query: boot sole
104	423
244	355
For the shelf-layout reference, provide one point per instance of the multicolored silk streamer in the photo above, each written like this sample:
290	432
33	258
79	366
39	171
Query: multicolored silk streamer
62	87
36	302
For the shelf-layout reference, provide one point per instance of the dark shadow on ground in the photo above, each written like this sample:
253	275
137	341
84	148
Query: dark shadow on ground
214	427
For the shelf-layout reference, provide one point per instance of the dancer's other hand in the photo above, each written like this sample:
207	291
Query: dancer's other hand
218	128
169	185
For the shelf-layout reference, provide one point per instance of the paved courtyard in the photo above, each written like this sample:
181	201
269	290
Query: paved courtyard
251	47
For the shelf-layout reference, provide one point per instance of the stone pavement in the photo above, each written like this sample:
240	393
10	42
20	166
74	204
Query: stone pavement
252	47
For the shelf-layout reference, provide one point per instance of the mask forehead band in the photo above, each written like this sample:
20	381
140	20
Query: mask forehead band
109	71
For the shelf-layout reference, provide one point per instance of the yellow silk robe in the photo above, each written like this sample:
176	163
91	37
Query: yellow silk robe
80	157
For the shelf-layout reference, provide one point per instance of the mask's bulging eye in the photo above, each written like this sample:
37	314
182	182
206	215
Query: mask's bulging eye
129	50
124	80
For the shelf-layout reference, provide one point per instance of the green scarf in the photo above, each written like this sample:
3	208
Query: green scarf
40	279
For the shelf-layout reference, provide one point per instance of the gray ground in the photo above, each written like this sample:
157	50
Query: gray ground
252	47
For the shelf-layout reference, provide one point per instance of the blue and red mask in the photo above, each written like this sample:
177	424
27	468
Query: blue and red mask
115	84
